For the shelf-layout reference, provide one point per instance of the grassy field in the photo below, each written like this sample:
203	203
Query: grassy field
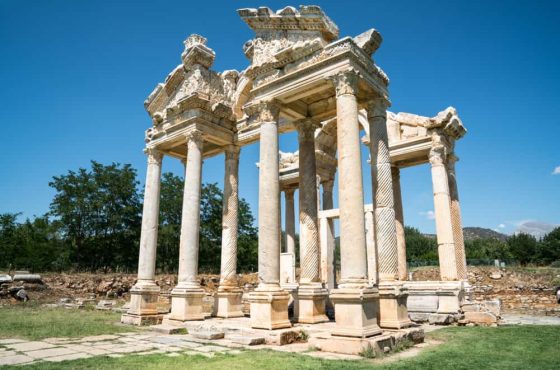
509	347
34	322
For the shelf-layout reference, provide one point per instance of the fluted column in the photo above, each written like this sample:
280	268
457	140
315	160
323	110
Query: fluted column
144	294
399	224
228	301
290	222
354	300
311	293
456	222
392	293
186	297
269	303
442	210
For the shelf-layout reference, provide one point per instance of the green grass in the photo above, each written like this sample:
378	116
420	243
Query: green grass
29	321
513	347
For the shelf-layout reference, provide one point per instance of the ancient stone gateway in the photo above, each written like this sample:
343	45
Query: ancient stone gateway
301	77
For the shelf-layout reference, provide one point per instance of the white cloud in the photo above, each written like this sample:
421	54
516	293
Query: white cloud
430	215
536	228
556	171
501	226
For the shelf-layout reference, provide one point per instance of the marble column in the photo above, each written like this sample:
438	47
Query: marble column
354	300
327	239
311	292
269	302
456	223
442	210
144	294
290	222
399	224
392	293
228	301
186	297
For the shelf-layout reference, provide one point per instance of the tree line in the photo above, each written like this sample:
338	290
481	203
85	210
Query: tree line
95	217
518	248
94	223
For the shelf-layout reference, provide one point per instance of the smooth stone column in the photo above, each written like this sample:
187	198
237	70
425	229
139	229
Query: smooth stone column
442	209
327	239
392	293
144	294
290	222
311	292
399	224
186	297
269	302
456	223
354	300
228	302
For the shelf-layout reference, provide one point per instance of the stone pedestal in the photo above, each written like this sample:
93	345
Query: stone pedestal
143	305
228	303
355	312
393	313
311	304
186	305
269	309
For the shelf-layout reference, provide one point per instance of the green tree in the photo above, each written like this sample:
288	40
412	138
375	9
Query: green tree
8	239
418	246
98	212
523	247
550	247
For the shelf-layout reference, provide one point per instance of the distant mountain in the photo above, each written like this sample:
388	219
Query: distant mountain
471	233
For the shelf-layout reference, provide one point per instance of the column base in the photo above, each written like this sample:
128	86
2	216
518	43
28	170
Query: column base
186	305
228	303
269	308
141	320
450	296
393	313
143	304
312	299
355	312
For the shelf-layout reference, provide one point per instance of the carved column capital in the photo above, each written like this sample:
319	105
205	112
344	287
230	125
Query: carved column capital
377	108
194	138
232	152
264	111
345	83
306	128
451	160
437	155
154	156
289	192
328	185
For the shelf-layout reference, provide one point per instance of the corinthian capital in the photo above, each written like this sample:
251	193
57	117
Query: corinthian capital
232	152
263	111
345	83
154	155
306	128
194	138
437	155
377	108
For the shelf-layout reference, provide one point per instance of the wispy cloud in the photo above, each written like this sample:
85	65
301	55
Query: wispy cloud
536	228
501	226
556	171
430	215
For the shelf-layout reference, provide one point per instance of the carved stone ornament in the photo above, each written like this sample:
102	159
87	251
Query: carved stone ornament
263	111
346	83
154	155
377	108
306	128
437	155
196	52
232	152
194	137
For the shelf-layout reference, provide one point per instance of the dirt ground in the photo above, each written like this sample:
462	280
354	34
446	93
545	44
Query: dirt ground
522	290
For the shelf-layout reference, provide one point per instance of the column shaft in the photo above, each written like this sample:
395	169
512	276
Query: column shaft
327	239
150	218
456	222
309	235
190	219
399	224
230	218
290	222
383	200
351	193
442	209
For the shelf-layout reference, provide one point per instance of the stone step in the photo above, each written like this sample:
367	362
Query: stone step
247	340
168	329
208	334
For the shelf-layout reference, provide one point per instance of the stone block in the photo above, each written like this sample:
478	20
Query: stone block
208	334
5	278
480	318
493	306
269	309
470	307
141	320
29	346
186	305
15	360
419	316
282	337
228	304
168	329
422	303
247	340
440	319
356	312
311	308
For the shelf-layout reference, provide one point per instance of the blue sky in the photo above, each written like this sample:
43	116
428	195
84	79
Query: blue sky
74	75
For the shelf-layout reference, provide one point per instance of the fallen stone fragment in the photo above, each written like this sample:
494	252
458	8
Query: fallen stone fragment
208	334
247	340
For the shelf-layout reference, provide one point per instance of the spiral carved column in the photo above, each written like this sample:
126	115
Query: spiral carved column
456	222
